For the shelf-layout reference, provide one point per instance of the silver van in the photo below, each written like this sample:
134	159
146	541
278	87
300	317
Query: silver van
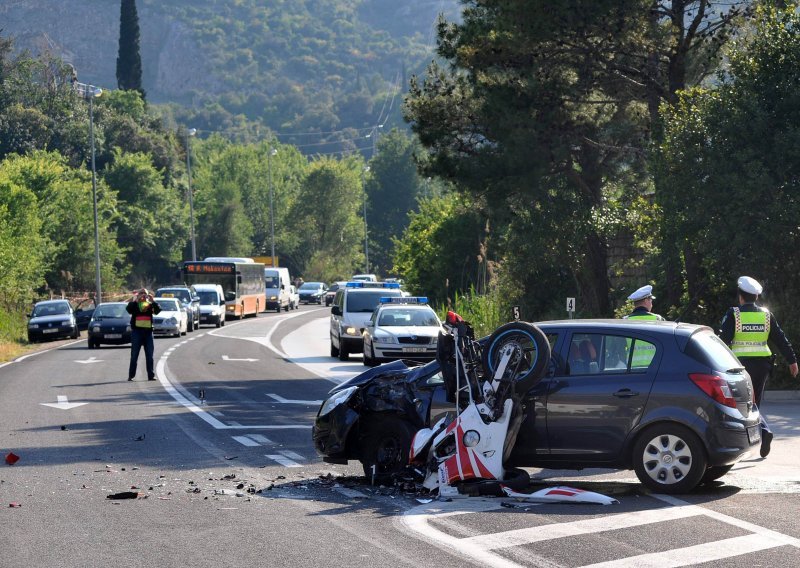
352	307
212	304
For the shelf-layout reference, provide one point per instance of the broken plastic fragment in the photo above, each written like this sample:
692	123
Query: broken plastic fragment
12	458
124	495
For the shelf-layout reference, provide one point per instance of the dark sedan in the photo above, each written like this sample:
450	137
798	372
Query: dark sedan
52	319
110	324
668	400
312	292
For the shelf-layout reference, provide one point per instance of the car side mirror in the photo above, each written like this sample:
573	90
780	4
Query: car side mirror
336	310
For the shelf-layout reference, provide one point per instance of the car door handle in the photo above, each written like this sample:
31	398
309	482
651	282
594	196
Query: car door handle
625	393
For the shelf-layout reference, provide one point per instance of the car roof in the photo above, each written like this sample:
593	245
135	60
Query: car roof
59	301
403	306
112	304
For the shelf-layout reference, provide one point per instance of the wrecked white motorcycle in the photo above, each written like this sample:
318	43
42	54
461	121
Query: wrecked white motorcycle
465	455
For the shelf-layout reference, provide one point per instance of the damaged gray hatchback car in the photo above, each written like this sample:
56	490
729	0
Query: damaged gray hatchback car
668	400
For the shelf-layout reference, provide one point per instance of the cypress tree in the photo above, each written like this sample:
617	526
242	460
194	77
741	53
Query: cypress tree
129	61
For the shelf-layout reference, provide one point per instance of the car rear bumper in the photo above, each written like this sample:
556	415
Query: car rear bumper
730	442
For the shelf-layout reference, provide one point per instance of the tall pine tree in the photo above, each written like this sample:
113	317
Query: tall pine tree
129	61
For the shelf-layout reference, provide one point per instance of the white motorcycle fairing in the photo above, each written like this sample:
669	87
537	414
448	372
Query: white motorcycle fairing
562	495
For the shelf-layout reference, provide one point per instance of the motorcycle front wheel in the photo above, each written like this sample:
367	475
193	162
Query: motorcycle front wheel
534	350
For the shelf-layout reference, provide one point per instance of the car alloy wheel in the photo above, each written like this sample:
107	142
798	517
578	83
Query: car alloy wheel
669	458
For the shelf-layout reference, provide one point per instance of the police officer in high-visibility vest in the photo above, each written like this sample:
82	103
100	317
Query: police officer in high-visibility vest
748	329
643	304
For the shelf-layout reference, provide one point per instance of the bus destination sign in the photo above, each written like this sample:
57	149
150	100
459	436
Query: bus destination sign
208	268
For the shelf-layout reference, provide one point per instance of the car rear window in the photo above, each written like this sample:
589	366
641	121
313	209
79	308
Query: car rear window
707	348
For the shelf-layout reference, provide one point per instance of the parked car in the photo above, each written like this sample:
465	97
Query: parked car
330	293
212	304
111	324
668	400
294	297
172	319
188	297
52	319
401	328
83	313
312	292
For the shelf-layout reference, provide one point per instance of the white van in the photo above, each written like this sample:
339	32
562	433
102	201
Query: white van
364	278
277	282
212	304
352	308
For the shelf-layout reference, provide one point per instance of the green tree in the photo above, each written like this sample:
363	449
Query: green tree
441	253
730	160
65	207
327	221
152	221
392	189
129	60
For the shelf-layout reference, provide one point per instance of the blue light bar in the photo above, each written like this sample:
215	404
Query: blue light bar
363	284
404	300
355	284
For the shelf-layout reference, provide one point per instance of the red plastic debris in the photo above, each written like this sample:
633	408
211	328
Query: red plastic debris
15	505
12	458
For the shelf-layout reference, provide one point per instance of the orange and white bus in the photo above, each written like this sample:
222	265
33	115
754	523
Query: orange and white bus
242	282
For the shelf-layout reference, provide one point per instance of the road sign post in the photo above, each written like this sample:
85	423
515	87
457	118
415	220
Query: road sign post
570	306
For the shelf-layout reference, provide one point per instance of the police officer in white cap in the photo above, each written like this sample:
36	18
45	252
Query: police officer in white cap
643	304
748	329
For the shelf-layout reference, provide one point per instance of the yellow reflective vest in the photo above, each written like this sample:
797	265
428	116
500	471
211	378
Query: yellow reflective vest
751	333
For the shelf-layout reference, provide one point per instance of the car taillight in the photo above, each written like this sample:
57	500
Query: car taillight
715	387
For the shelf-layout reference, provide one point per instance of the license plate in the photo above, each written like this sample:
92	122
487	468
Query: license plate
414	349
113	336
49	330
754	434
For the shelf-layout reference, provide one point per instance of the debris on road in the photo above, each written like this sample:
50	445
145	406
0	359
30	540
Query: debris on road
11	458
123	495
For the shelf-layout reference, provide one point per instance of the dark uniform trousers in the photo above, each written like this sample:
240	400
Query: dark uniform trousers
759	369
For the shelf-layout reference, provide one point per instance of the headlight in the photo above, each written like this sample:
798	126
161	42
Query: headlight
127	329
33	326
171	321
339	398
385	338
96	329
471	438
273	297
351	331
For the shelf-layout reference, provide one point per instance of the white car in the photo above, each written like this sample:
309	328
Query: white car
294	297
401	328
172	319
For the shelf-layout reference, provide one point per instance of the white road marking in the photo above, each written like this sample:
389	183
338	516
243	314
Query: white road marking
290	401
480	547
262	439
90	360
284	461
63	403
293	455
245	441
226	358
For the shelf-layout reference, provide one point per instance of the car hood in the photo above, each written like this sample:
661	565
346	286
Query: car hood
410	330
397	369
169	314
49	319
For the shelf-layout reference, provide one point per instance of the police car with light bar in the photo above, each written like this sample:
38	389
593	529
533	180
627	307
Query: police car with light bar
401	328
350	311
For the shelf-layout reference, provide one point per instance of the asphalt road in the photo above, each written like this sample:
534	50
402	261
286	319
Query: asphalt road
218	451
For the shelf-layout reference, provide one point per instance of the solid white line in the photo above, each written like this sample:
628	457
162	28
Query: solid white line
245	441
23	357
283	460
589	526
698	554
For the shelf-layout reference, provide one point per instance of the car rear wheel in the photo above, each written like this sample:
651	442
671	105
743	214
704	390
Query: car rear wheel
669	458
385	443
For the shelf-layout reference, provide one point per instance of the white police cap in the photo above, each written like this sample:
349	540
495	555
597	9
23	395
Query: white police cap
749	285
642	293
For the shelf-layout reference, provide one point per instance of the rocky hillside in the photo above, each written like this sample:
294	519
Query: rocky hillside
289	64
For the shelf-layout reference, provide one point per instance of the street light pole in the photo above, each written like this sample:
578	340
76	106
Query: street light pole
191	132
373	133
90	92
366	232
272	152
